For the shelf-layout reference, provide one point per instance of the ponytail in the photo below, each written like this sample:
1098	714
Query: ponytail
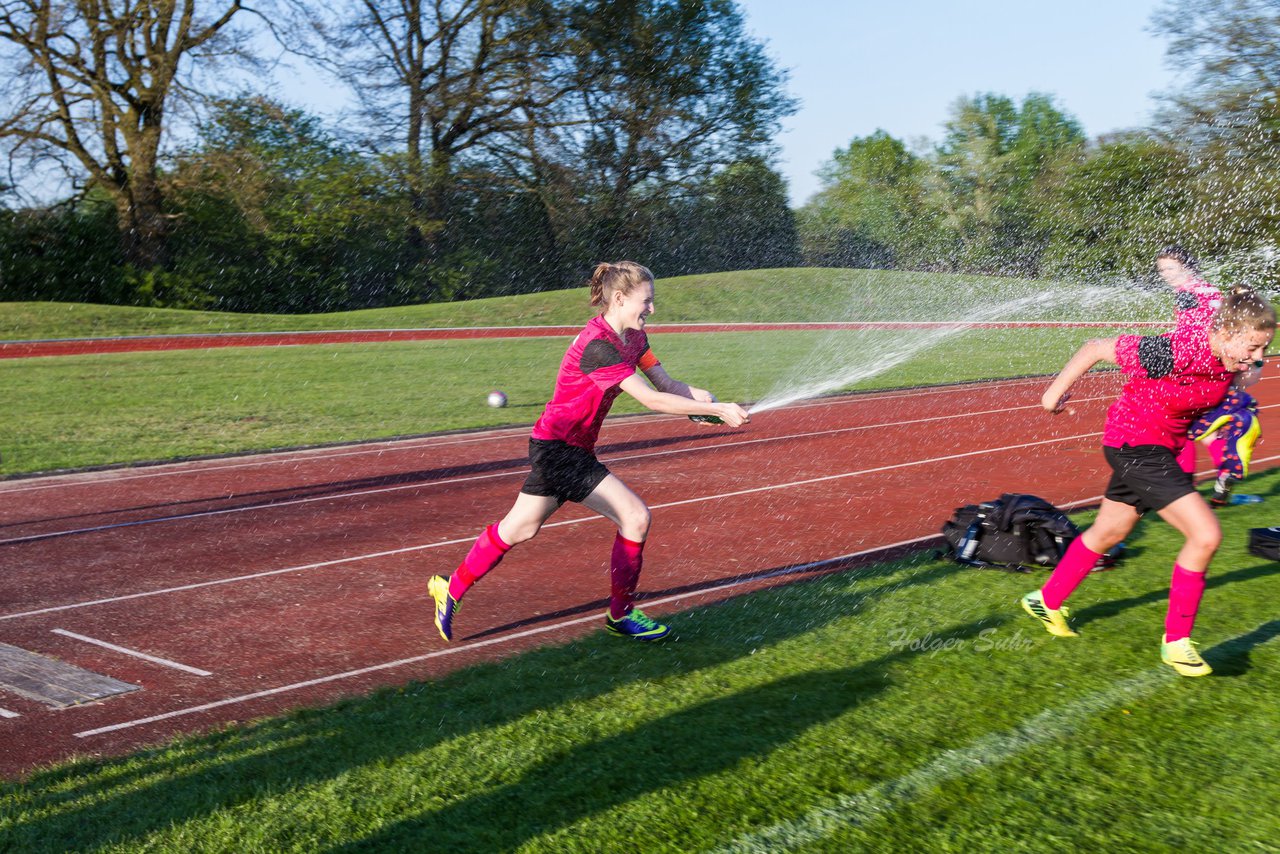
622	276
1244	310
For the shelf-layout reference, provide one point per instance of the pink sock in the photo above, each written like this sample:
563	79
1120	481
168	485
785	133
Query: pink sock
1187	458
624	575
1217	446
1078	562
484	556
1184	600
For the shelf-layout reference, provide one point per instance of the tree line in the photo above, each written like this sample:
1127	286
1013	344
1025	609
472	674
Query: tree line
504	146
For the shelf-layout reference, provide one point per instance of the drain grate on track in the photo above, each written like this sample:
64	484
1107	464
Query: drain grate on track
56	683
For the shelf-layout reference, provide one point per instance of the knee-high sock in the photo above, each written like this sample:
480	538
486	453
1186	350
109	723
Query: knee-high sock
624	575
1187	458
1078	562
1217	445
1184	600
485	554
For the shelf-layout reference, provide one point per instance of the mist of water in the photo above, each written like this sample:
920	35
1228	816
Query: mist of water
831	368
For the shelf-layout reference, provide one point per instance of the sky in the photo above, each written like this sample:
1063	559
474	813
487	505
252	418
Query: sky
899	65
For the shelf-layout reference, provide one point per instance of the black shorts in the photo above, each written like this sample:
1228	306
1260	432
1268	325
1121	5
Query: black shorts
1146	477
563	471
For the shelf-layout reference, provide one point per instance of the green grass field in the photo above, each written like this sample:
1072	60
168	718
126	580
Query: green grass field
910	706
69	412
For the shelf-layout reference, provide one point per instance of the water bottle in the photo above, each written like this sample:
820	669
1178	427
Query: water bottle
969	545
706	419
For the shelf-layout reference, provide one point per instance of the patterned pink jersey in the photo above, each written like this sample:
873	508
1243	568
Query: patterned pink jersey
1195	303
1173	378
589	380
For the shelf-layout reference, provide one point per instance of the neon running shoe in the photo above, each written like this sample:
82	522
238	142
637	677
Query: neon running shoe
1054	620
636	624
1183	657
446	605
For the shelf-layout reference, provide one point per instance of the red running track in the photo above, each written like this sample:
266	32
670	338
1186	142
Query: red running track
297	578
82	346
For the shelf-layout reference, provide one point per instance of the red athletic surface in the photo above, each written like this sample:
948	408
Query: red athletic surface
298	578
82	346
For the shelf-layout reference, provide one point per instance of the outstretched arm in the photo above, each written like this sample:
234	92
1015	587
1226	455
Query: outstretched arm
1091	353
679	404
663	381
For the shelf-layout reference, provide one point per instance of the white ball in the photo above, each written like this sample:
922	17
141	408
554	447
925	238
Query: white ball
497	399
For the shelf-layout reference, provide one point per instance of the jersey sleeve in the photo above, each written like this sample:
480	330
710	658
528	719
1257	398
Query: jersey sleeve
603	364
1150	356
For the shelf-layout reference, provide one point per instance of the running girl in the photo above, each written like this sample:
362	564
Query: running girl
611	355
1172	378
1195	302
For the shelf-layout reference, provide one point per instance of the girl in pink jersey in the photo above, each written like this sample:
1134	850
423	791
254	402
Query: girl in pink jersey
1172	378
610	356
1195	301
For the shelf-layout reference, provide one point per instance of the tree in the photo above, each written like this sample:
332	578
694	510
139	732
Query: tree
667	94
437	78
1226	118
92	89
869	212
291	219
987	168
1113	209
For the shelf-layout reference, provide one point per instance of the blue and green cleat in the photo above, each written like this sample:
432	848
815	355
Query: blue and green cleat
446	605
636	624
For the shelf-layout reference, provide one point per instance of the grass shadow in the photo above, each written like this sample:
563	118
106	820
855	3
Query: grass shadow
701	740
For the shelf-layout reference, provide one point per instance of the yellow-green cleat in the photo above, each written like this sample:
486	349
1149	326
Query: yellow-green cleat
446	605
1054	620
1183	657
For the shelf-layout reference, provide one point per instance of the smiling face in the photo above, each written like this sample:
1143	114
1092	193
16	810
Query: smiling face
629	310
1239	350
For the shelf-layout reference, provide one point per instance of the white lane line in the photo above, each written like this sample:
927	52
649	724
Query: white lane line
503	639
736	443
133	652
471	537
5	713
391	446
986	752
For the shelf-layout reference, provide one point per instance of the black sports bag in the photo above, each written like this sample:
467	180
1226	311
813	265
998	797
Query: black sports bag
1265	543
1016	532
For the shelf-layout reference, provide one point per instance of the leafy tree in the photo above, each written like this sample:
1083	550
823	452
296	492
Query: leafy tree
1114	208
91	89
668	93
1226	118
869	211
437	79
288	218
985	177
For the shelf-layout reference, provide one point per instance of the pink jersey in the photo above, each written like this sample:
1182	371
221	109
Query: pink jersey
588	382
1195	302
1173	378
